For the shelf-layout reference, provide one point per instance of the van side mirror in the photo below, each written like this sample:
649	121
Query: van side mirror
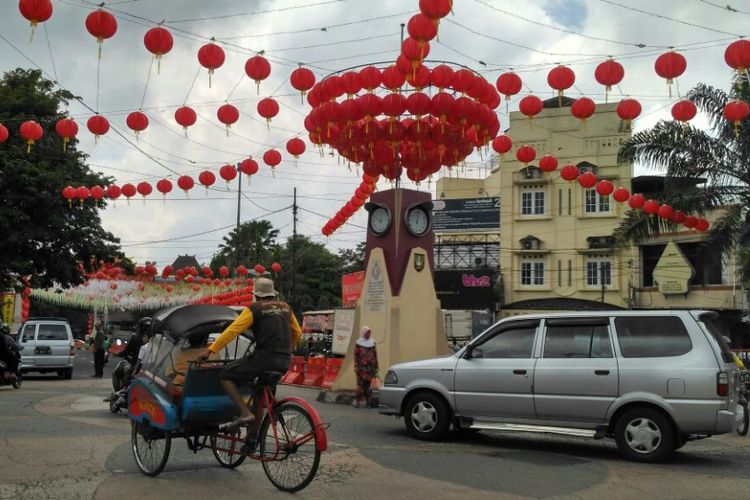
474	352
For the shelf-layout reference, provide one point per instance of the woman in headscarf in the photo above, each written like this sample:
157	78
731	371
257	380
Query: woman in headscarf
365	365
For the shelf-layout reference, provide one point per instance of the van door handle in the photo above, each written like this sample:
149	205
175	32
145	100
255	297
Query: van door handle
519	372
601	372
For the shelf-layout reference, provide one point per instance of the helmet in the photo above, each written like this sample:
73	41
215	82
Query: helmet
4	330
144	326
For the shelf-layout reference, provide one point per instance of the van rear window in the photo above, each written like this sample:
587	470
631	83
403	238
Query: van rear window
718	335
52	332
652	336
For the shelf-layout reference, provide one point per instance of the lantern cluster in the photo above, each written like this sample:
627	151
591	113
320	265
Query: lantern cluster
360	197
403	130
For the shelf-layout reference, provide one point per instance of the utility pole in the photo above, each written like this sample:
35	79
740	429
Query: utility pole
294	245
239	206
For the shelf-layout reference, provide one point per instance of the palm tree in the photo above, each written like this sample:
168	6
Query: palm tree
706	170
254	240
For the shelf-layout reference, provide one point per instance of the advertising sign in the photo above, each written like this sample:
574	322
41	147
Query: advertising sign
466	214
343	327
467	289
351	287
8	304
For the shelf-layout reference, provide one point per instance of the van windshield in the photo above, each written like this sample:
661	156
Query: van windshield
708	322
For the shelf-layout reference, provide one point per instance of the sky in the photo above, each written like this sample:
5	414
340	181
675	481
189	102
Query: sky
489	36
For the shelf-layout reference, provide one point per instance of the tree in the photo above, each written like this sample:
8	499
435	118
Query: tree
353	259
720	157
44	238
249	244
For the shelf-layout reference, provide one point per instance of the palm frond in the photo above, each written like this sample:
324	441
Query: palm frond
726	230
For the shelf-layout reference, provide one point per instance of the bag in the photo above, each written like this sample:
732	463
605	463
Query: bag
375	383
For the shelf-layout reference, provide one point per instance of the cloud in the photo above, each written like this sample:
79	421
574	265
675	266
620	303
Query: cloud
568	13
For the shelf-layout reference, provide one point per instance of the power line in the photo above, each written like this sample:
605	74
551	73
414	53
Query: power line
724	7
254	13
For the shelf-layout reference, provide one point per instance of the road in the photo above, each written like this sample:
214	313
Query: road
59	441
83	368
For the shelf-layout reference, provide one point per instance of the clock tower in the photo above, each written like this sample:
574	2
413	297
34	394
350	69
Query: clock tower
398	299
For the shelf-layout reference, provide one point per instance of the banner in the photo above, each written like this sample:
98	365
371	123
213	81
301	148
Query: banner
351	287
9	305
466	214
343	327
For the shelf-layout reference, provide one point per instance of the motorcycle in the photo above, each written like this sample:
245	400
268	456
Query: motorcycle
121	378
18	380
743	417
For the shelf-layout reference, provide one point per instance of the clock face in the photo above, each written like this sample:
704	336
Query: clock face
380	220
417	221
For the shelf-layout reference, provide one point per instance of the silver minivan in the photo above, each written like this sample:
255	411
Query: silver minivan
652	380
47	346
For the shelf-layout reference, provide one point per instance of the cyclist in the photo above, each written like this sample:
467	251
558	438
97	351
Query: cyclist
276	333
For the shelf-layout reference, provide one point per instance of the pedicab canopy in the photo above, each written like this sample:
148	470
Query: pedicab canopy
181	322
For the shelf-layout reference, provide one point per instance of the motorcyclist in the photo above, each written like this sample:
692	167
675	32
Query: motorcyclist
9	353
130	352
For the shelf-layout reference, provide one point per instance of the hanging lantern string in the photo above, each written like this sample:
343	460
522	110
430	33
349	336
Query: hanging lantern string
234	88
148	79
49	47
98	74
190	90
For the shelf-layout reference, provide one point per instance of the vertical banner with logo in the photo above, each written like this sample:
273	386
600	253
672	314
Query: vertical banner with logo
8	305
343	327
351	287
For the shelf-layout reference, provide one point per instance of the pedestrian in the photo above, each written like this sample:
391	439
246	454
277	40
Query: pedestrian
365	366
98	345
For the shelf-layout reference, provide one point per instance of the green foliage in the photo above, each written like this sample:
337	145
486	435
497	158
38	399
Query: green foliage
353	259
252	243
42	237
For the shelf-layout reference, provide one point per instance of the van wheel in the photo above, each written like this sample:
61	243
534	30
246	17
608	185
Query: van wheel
68	374
645	435
427	417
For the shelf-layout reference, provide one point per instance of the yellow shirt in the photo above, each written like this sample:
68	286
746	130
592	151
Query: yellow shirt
242	323
738	362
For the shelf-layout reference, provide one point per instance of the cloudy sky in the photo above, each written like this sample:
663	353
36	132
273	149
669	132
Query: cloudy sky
490	36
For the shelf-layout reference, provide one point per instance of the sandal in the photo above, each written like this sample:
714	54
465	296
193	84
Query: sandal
239	422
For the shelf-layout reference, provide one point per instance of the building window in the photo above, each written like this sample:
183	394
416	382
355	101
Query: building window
532	202
596	203
532	272
598	272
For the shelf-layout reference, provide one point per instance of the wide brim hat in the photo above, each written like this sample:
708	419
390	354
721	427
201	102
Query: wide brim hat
264	288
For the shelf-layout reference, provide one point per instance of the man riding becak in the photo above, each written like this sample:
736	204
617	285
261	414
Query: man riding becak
276	333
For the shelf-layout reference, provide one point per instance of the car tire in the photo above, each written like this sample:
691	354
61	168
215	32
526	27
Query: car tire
427	417
645	435
68	374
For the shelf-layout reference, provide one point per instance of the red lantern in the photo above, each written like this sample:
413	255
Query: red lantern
670	65
435	9
737	55
665	211
137	122
677	217
113	192
509	84
258	68
97	125
628	110
259	269
419	78
211	57
69	192
690	221
620	195
392	78
684	111
463	80
561	78
186	117
525	154
442	76
3	133
228	173
276	267
228	115
651	207
129	190
207	178
530	106
587	180
66	129
242	270
569	172
268	108
36	11
502	144
144	189
186	183
702	225
83	194
97	192
102	25
605	187
735	111
609	73
31	131
302	79
249	167
164	186
636	201
421	28
158	41
582	108
548	163
295	147
370	78
272	158
224	271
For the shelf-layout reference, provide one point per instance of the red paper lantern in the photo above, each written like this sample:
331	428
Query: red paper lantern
509	84
678	217
569	172
582	108
620	195
228	115
186	183
435	9
392	78
272	158
242	270
113	191
268	108
137	121
129	190
415	51
144	189
548	163
370	78
690	221
211	57
158	41
737	55
164	186
258	68
66	129
3	133
249	167
276	267
69	192
295	147
82	193
421	28
102	25
684	111
636	201
670	65
628	110
97	192
605	187
419	78
350	83
302	79
186	117
530	106
259	269
36	11
561	78
587	180
665	211
525	154
609	73
651	207
735	111
31	131
207	178
702	225
502	144
224	271
97	125
463	80
228	173
442	76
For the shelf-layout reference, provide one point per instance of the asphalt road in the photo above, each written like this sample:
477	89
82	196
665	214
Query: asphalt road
83	368
59	441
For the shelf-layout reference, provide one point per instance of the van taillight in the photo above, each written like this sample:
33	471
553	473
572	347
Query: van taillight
72	349
722	384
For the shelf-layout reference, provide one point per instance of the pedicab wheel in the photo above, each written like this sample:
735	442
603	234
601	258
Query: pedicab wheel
288	449
225	458
150	448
